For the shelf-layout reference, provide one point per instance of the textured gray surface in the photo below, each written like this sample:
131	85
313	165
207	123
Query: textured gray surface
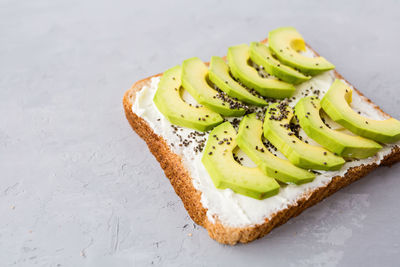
79	188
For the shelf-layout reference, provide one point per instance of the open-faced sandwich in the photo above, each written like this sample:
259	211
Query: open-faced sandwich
253	139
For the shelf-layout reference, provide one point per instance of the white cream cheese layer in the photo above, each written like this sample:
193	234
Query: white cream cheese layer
234	209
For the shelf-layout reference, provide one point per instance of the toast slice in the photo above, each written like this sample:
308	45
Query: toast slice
182	181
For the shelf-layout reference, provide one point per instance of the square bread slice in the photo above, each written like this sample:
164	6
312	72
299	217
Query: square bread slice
184	185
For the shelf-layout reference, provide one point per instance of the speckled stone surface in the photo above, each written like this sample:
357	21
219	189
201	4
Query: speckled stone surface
79	188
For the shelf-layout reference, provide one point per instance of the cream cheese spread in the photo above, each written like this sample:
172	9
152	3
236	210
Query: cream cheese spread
233	209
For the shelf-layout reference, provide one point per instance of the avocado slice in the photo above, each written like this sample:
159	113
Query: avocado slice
336	104
286	42
307	111
225	172
277	131
262	56
169	102
219	75
249	140
238	62
195	81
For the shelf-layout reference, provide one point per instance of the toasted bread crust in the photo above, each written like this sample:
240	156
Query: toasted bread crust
191	197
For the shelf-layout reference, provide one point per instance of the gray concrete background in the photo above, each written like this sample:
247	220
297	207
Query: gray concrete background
79	188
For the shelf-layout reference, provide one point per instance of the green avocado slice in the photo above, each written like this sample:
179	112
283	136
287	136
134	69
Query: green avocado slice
286	42
194	80
307	111
170	103
277	131
249	140
336	104
238	62
219	75
225	172
260	54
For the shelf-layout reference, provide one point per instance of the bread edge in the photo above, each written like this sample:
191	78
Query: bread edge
182	183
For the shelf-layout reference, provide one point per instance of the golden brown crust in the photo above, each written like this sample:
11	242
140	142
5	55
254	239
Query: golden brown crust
183	186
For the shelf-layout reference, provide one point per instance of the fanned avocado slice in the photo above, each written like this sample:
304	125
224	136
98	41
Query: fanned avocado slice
308	113
194	80
336	104
260	54
225	172
219	75
238	62
286	42
170	103
277	131
249	140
